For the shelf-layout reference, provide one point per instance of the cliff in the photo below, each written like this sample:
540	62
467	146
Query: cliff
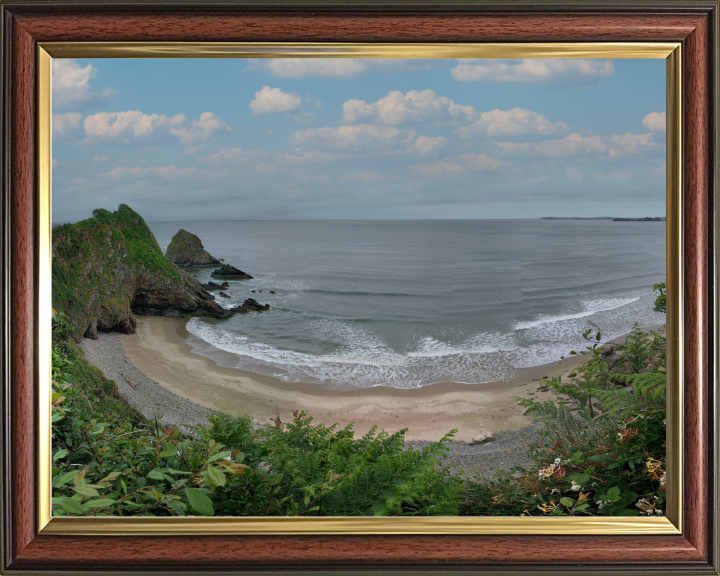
108	268
187	250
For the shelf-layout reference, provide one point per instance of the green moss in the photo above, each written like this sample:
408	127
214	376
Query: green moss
88	254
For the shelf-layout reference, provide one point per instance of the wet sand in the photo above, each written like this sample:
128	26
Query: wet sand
160	350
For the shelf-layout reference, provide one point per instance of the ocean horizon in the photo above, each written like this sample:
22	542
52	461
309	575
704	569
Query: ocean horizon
409	303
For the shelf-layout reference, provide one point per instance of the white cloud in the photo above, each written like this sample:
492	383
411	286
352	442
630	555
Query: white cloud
436	169
655	121
114	124
314	156
204	127
309	67
71	84
164	172
511	123
425	145
304	117
413	106
62	123
358	137
55	163
482	162
227	155
341	67
270	100
531	70
99	159
612	146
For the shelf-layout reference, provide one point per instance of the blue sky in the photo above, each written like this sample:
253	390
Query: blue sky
230	139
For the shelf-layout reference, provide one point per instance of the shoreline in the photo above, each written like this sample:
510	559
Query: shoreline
160	351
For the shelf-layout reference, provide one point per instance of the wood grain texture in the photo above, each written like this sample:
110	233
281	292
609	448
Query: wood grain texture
244	551
358	28
696	189
395	553
22	246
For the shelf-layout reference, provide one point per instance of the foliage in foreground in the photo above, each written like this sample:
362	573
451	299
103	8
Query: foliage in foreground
603	453
105	463
604	446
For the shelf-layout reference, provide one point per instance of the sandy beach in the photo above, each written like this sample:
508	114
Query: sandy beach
159	349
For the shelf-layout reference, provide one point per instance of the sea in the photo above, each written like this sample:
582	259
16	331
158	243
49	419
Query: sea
411	303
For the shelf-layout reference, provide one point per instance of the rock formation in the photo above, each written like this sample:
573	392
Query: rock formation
230	273
187	251
250	305
108	268
210	286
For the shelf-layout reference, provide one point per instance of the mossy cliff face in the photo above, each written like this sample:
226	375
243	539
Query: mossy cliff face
108	267
186	249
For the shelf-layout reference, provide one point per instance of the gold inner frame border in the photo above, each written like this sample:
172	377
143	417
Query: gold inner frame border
128	526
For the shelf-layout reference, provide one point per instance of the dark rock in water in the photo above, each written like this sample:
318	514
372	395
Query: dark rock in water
272	291
214	286
225	285
253	291
187	251
230	273
108	268
250	305
224	295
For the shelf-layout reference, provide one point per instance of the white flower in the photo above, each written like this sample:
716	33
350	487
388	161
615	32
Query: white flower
575	486
603	503
557	461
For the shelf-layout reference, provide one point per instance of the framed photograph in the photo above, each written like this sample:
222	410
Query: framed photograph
359	288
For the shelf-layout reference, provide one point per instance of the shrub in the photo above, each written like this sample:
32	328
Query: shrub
110	461
604	446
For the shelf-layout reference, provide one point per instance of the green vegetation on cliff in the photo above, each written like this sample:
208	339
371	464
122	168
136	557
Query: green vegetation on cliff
110	265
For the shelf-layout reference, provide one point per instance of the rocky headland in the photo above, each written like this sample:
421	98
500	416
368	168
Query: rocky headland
110	267
187	251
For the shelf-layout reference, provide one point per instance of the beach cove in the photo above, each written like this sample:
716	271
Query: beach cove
160	350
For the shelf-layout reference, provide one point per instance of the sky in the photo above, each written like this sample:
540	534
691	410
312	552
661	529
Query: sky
317	139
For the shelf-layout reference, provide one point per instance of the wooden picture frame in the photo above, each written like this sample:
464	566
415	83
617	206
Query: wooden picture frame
27	26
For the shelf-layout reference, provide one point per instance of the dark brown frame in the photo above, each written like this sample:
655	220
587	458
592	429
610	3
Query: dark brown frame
24	24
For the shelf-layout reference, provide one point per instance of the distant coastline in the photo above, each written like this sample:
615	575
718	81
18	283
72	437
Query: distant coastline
645	219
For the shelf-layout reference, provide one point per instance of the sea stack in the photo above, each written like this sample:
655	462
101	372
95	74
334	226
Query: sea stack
228	272
187	251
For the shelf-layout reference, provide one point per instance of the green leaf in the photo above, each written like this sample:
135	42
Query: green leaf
99	503
580	478
216	476
569	502
60	454
581	508
168	453
86	490
613	492
157	475
599	458
219	456
72	507
199	501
